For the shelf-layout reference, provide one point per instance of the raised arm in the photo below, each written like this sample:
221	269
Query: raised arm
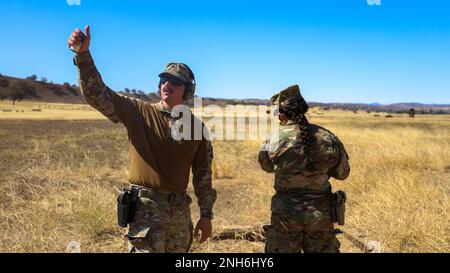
93	89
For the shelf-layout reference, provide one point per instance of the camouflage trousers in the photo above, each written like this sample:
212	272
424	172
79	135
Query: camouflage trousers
299	224
161	227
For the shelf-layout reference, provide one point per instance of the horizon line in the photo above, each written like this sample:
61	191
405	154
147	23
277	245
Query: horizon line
261	99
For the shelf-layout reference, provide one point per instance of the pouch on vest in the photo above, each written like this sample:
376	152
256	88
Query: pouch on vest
338	207
126	206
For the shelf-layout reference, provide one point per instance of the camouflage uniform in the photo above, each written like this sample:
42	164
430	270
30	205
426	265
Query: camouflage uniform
161	227
301	208
158	163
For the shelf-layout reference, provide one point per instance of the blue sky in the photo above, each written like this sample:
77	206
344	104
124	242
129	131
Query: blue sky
337	51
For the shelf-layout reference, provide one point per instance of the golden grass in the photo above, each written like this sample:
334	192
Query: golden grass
399	186
59	180
47	111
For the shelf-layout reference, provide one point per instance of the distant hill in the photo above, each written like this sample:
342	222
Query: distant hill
391	108
32	89
44	91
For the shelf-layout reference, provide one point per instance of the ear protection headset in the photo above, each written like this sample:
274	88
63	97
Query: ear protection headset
190	87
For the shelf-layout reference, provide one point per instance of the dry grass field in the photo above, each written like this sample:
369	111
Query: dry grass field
60	170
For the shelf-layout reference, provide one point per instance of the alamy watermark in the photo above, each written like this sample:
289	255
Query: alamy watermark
229	122
374	2
73	2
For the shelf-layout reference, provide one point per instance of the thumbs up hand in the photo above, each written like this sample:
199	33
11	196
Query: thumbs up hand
79	42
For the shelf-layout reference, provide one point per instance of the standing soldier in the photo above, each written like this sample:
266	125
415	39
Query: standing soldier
159	165
303	156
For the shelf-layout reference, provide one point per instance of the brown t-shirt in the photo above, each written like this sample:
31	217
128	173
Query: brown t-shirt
156	159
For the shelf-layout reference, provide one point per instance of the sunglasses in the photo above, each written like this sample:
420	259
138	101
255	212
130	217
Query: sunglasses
172	80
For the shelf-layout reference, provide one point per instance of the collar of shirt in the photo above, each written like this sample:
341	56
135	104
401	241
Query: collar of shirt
160	107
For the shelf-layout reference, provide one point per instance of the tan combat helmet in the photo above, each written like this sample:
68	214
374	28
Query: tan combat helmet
182	72
288	96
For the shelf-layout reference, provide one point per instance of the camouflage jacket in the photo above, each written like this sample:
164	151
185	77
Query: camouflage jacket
280	154
156	160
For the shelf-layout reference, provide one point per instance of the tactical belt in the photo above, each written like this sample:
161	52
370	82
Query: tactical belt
153	194
306	193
